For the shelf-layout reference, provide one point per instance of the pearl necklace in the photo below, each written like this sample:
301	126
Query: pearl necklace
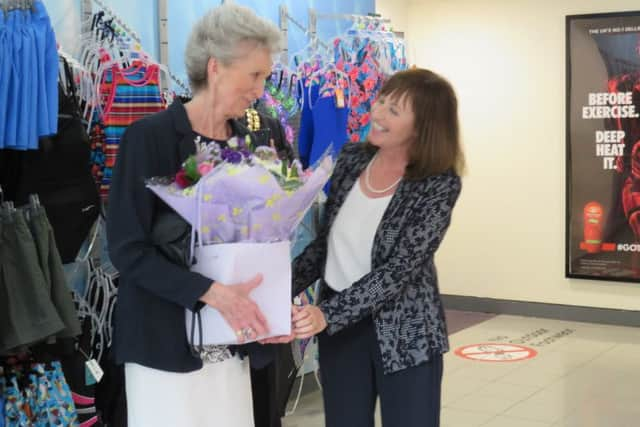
367	179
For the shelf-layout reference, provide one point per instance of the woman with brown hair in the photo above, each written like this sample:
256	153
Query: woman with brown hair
380	319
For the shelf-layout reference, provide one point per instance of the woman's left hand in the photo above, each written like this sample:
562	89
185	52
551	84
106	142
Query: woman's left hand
308	321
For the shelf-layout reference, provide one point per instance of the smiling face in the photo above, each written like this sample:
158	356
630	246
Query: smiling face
393	122
417	113
237	85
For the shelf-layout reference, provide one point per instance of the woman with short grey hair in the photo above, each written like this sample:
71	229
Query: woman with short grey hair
221	36
228	58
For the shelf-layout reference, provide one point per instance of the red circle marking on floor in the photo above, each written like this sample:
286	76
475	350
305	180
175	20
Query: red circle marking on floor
491	352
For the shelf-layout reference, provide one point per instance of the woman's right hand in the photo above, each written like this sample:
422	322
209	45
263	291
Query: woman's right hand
240	312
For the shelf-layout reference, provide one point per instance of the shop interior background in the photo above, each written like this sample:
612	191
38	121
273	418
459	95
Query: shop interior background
142	17
507	63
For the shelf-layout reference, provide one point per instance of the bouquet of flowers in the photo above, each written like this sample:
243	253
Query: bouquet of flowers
243	204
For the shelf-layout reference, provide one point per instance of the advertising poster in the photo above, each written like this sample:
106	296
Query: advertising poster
603	146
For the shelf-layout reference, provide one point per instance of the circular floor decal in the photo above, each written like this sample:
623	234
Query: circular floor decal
490	352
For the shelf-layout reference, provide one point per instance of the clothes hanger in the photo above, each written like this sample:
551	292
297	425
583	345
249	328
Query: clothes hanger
80	75
104	57
109	12
340	75
315	49
8	207
34	204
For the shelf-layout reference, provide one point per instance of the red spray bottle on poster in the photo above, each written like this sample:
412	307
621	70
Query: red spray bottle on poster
593	216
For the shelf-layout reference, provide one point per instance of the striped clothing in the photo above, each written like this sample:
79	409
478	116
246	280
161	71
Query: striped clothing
128	95
96	140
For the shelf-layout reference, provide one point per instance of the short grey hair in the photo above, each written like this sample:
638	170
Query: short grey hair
218	35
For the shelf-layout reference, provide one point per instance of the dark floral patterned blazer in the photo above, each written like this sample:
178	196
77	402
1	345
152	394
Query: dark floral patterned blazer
401	291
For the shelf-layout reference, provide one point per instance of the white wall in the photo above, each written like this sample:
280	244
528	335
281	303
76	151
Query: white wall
506	59
397	11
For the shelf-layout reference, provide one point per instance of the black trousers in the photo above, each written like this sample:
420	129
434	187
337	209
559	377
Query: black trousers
271	387
352	378
265	409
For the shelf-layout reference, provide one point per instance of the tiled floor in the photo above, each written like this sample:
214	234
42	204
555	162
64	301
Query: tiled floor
584	375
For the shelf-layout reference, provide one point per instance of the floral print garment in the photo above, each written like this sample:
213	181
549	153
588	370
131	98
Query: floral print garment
356	59
39	398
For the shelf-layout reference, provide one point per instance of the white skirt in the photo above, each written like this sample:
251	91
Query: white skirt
218	395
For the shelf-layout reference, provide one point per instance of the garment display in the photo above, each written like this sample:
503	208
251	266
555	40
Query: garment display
36	395
279	102
130	94
59	173
28	76
53	273
119	84
27	313
336	89
39	315
36	303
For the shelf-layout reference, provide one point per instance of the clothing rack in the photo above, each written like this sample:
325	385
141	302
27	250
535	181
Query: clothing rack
182	85
163	38
164	43
128	30
285	18
70	59
352	17
87	12
313	29
314	16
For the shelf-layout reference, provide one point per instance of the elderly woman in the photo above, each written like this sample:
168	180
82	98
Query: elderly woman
228	58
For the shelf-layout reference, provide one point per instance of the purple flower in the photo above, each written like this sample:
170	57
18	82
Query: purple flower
231	156
245	153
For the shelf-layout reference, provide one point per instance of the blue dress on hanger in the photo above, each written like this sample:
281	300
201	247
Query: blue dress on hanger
28	78
12	80
47	71
323	124
27	123
4	76
305	134
330	128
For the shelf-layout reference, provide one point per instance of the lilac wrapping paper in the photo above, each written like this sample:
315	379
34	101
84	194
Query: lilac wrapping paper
244	203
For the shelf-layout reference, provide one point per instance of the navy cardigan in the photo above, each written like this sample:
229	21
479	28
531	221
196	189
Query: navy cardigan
153	293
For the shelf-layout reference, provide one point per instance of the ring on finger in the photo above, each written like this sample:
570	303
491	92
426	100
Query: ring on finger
247	333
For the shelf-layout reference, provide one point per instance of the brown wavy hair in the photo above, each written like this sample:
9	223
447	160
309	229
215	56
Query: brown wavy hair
437	147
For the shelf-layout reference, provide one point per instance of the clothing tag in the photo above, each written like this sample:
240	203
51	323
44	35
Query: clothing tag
88	377
340	98
93	373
